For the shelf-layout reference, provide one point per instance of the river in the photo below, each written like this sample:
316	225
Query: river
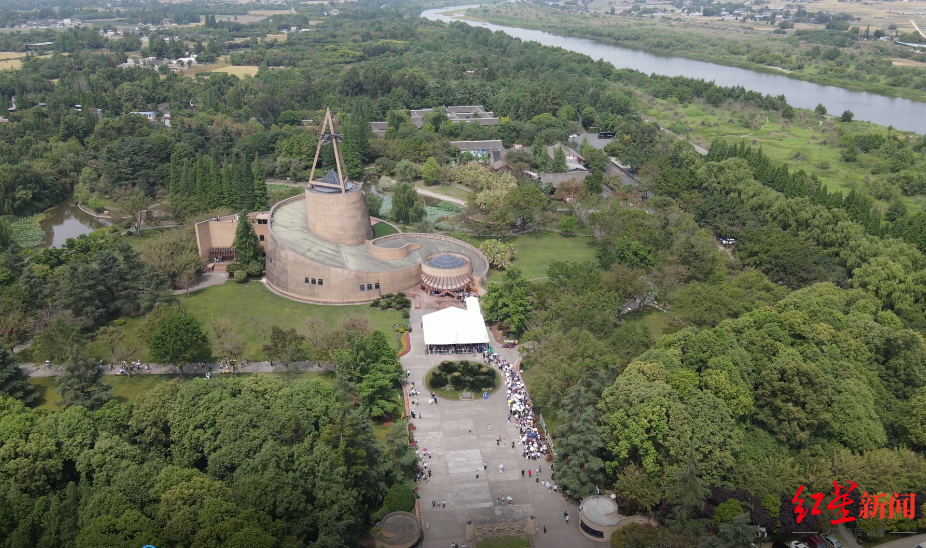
887	111
66	220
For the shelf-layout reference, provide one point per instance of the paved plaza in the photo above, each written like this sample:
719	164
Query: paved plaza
461	437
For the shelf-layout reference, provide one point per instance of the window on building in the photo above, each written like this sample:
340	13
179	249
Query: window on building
261	237
306	280
370	287
320	282
377	285
313	281
362	287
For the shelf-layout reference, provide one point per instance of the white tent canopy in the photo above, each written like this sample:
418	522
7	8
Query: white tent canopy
455	326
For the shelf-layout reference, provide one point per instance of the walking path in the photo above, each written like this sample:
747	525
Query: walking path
205	280
461	436
444	197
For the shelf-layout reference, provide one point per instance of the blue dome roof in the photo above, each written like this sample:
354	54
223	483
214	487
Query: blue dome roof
446	261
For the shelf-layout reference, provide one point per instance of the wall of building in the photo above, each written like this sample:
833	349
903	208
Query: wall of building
221	233
343	218
287	271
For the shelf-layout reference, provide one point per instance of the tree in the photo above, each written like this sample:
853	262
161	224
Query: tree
498	253
406	171
820	109
54	343
525	203
226	340
637	488
13	381
81	382
737	534
846	116
135	204
6	234
245	243
430	171
689	495
285	346
113	339
407	207
509	302
558	164
374	204
178	338
260	186
581	469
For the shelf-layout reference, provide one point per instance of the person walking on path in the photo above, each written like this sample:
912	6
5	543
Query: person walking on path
477	473
443	503
485	465
530	474
544	529
522	473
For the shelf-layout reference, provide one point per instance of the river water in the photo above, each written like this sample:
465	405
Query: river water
887	111
66	220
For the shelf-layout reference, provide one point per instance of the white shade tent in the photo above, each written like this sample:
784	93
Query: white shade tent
455	326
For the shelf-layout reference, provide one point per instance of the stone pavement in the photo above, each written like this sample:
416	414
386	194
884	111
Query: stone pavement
458	454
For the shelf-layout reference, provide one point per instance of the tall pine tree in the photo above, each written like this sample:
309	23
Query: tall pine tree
259	185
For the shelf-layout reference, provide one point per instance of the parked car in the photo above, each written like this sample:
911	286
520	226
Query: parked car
832	542
798	544
814	541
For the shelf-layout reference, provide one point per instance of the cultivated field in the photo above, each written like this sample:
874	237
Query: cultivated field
11	60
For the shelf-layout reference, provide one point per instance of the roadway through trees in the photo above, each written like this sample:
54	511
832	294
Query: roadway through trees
461	437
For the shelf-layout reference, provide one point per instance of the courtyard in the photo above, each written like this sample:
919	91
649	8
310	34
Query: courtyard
461	437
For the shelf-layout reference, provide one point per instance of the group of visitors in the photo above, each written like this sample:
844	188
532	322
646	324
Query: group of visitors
128	368
520	410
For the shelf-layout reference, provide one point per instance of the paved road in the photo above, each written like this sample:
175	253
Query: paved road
906	541
457	453
205	280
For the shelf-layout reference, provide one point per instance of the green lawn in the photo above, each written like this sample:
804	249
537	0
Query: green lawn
535	252
519	541
253	309
383	229
129	389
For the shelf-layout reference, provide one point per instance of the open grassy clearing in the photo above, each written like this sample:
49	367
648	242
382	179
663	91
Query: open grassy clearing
535	252
277	37
807	142
128	390
253	309
238	71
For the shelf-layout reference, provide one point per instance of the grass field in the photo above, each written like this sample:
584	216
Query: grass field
535	252
253	309
806	142
11	60
277	37
383	229
128	390
238	71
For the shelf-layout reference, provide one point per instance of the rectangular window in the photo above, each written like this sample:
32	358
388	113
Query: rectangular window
370	287
377	285
362	287
313	281
320	282
306	280
261	237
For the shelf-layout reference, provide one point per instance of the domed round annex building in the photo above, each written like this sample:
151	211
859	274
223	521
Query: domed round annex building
319	246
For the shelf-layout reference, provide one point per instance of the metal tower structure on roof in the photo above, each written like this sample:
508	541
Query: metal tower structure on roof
329	134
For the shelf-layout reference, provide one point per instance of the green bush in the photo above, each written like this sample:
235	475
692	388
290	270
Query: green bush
240	276
464	375
406	314
233	267
255	268
118	322
400	498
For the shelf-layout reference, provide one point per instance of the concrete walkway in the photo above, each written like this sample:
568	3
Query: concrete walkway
905	541
205	280
461	436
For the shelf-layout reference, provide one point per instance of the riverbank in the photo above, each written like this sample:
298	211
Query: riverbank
780	55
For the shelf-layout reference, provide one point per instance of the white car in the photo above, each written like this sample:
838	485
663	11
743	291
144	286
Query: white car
798	544
832	541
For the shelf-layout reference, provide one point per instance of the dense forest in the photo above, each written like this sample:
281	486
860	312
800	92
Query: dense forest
795	357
